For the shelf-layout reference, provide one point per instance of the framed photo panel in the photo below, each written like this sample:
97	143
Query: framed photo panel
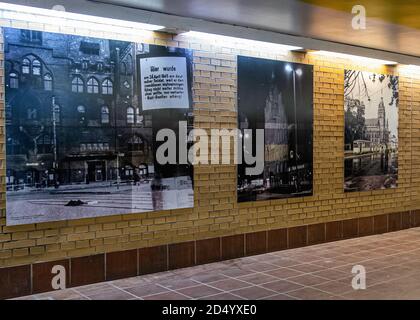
82	116
371	131
276	98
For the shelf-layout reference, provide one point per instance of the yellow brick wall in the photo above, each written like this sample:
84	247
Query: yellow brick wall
216	211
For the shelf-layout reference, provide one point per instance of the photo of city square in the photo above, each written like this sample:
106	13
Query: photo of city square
79	142
371	131
276	96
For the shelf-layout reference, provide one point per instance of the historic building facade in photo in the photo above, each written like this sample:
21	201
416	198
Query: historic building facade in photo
72	114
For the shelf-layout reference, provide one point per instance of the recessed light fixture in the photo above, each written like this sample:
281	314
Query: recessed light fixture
64	18
227	40
354	58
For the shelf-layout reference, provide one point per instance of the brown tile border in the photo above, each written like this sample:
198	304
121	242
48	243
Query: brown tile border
365	226
36	278
15	282
395	221
208	250
42	275
350	228
233	247
181	255
121	264
380	224
87	270
316	233
297	236
276	240
256	243
153	259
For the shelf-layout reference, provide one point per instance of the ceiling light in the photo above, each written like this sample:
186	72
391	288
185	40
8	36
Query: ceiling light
226	40
32	14
353	57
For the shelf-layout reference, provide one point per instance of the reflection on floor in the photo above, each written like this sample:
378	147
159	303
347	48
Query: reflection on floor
323	271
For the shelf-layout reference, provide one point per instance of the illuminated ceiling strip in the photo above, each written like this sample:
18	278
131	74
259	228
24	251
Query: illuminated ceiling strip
25	13
353	57
239	41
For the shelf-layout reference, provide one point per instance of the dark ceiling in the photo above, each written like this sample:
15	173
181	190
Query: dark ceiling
391	26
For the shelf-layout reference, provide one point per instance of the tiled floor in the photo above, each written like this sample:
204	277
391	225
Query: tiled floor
392	262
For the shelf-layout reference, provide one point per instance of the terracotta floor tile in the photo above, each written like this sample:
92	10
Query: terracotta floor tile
260	267
166	296
282	286
310	294
257	278
59	295
236	272
331	274
199	291
178	284
146	290
307	268
229	284
284	273
209	278
335	287
130	282
280	297
222	296
114	294
94	289
253	293
308	280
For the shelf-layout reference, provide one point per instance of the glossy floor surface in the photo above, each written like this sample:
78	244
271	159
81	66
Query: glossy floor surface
391	261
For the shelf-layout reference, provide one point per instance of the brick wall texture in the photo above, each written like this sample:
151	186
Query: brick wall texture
216	211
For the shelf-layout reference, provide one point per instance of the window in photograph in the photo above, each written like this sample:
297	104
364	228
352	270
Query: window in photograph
31	36
93	86
26	66
36	67
13	80
130	115
139	117
48	82
104	115
107	87
85	65
77	85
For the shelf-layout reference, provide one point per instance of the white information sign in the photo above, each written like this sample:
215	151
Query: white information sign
164	83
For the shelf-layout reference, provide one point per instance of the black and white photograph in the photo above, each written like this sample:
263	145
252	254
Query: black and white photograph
371	131
81	119
276	96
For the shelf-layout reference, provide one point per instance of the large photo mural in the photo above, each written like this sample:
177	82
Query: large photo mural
371	131
82	115
276	97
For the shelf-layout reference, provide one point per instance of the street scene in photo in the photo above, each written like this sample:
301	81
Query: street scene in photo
82	115
277	97
371	131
